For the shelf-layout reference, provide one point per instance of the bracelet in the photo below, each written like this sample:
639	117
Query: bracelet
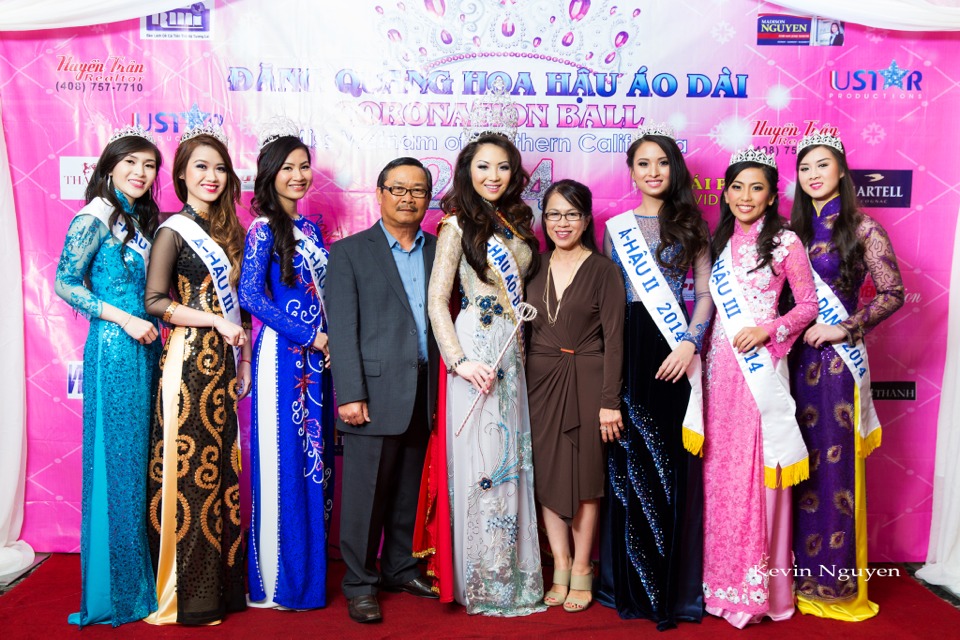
125	322
458	363
242	360
168	312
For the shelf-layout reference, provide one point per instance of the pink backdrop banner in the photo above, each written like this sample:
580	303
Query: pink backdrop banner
384	78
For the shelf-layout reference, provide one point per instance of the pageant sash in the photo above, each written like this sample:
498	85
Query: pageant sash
503	264
831	312
668	314
313	256
218	264
783	444
101	209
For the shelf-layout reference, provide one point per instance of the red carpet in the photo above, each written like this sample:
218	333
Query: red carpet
38	608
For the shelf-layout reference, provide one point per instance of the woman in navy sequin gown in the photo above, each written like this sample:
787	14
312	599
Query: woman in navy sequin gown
651	522
292	434
102	275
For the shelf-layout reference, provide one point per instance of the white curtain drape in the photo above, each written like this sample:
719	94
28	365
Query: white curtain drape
22	15
943	554
15	554
896	15
28	15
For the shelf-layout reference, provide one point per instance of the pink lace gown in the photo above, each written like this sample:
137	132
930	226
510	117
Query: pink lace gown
747	527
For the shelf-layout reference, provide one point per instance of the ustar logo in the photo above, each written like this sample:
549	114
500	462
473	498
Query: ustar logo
881	84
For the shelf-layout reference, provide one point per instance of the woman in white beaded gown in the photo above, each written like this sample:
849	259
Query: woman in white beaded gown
486	239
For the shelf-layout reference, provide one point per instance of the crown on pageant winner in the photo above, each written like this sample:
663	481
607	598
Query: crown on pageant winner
211	130
655	129
493	113
128	131
817	139
753	155
278	127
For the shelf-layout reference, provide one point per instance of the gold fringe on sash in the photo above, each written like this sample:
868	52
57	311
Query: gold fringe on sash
864	446
693	442
789	475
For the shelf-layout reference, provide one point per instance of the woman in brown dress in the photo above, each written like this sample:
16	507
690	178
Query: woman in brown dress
573	375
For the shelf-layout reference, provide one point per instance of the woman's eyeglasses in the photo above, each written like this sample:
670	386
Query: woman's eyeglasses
569	216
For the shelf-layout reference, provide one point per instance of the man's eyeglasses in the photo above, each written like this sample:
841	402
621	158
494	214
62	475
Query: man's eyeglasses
416	192
570	216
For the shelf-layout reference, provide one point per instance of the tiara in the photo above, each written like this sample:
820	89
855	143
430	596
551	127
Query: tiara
817	139
655	129
494	113
277	127
211	130
128	131
753	155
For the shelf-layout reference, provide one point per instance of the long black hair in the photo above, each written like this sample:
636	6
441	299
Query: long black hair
100	186
680	220
773	223
474	213
844	234
580	198
266	203
225	227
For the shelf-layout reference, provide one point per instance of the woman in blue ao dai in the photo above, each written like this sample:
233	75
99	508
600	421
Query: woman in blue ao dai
102	274
281	284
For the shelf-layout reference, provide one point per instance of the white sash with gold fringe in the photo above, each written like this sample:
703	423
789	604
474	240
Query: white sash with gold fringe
831	312
668	314
783	445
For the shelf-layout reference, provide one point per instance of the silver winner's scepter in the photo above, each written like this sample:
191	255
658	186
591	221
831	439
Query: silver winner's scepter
525	313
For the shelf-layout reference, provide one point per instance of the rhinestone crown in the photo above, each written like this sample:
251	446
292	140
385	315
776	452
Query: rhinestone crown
817	139
655	129
750	154
127	131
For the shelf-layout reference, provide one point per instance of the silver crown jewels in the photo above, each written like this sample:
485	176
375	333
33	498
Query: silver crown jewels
128	131
493	113
818	139
750	154
211	130
277	127
655	129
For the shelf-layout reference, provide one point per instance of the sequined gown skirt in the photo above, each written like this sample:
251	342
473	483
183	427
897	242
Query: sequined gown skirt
496	552
194	493
651	523
292	474
117	577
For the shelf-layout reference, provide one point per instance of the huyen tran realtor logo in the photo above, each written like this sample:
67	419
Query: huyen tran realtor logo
191	22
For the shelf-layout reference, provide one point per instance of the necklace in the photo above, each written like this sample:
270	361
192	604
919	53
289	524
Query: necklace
552	317
195	213
508	229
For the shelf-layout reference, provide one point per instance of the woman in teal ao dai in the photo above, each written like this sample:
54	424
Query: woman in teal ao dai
292	433
102	274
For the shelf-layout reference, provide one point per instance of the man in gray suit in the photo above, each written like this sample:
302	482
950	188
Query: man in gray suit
384	362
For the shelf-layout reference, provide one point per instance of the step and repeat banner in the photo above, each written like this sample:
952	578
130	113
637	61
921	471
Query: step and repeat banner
370	80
